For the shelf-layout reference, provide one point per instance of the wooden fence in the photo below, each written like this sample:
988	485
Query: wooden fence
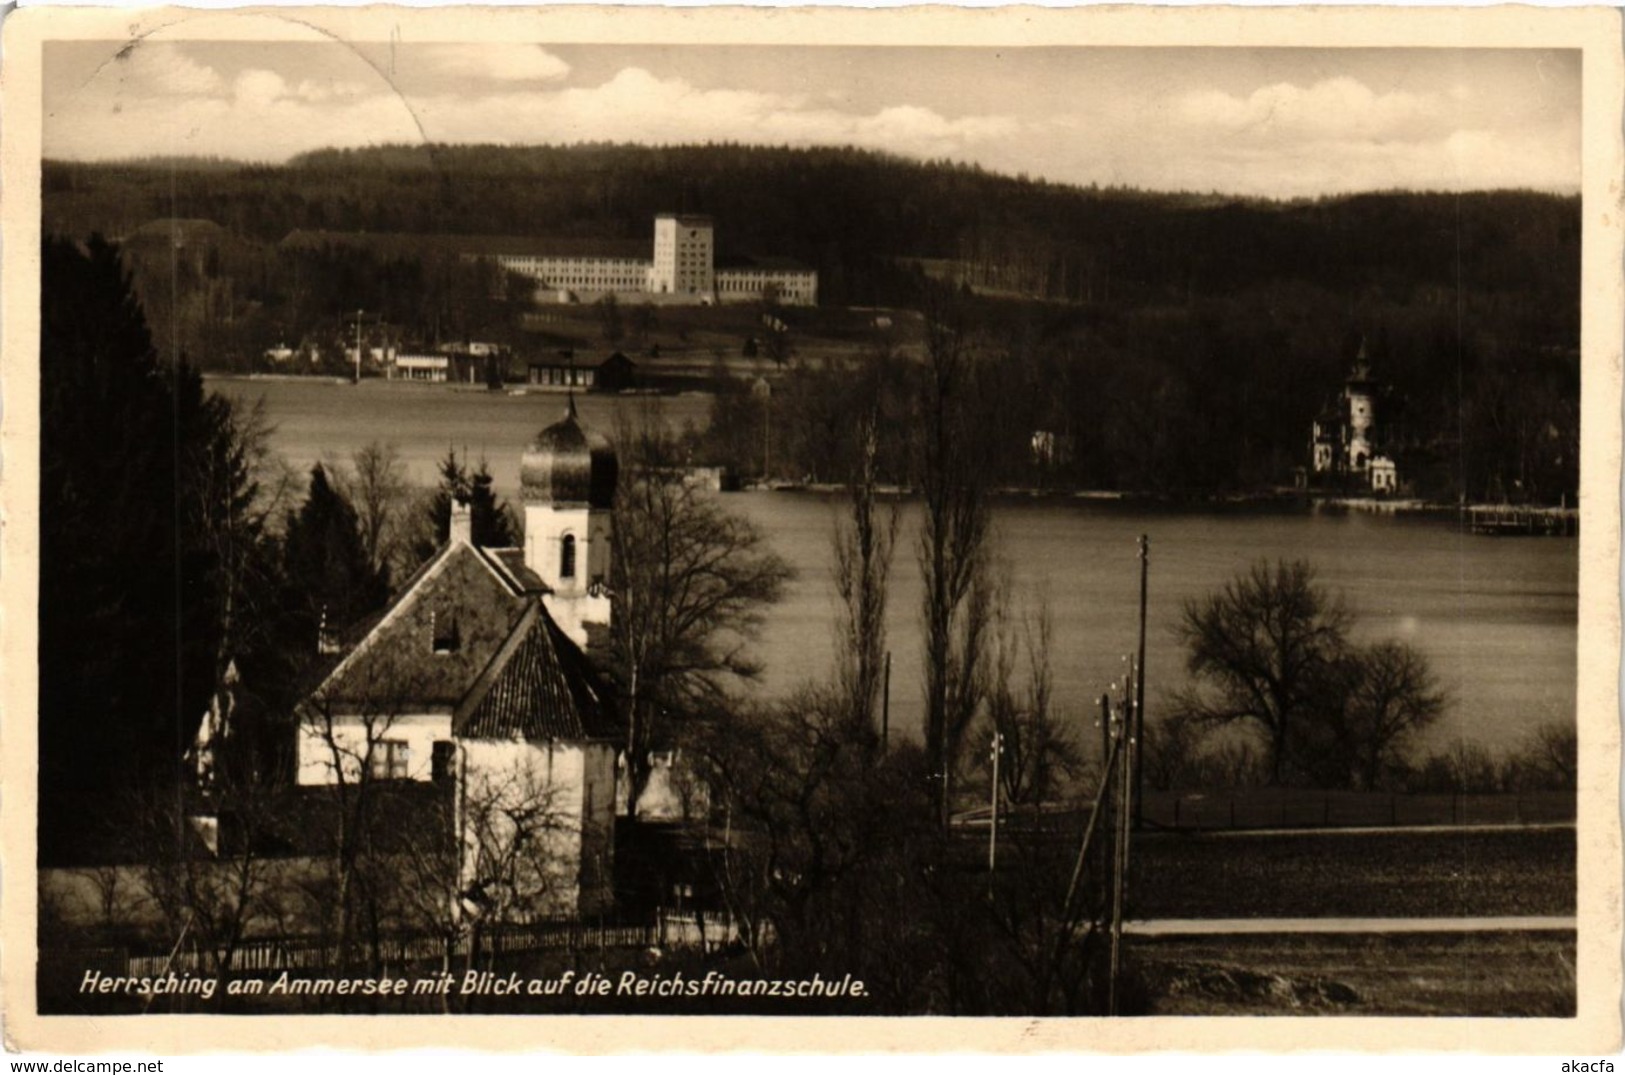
292	953
1288	808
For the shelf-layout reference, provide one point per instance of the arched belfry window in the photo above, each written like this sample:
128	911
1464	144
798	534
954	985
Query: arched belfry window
567	557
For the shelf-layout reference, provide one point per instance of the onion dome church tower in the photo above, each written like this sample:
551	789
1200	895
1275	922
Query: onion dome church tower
567	483
1359	392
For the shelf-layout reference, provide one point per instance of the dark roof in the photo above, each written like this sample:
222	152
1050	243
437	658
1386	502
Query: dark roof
182	228
512	561
461	594
554	247
764	262
509	670
579	362
539	687
479	245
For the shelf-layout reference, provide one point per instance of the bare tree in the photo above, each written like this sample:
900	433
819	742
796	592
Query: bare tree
203	868
375	485
690	581
1388	695
824	854
349	738
1264	645
1039	758
864	539
952	551
1272	652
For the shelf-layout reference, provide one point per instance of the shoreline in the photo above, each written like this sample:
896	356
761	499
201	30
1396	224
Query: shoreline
1295	502
1282	499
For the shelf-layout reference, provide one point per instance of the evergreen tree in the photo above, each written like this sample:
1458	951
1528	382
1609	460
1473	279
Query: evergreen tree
329	578
494	523
143	529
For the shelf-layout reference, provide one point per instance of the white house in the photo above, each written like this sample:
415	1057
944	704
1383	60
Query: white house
476	675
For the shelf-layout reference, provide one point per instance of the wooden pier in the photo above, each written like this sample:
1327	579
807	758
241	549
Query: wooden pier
1507	520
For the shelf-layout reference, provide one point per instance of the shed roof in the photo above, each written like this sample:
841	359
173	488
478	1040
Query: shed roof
539	687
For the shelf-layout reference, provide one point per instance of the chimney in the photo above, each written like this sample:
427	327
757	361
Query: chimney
462	522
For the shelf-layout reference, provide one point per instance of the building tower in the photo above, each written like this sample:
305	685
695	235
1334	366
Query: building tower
1358	392
683	256
567	483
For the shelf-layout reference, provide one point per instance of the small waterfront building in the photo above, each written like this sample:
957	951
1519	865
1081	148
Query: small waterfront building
614	374
433	368
617	373
561	372
1384	475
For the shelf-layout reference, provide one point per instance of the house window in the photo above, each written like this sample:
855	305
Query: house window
389	759
567	557
443	762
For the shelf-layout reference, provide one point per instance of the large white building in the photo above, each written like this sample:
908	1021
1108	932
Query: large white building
682	267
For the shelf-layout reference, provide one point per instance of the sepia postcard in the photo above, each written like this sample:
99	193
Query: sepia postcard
811	529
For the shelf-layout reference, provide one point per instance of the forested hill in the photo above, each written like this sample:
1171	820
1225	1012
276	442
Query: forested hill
847	211
1181	342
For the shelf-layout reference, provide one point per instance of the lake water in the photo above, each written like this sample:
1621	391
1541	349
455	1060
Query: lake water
1496	616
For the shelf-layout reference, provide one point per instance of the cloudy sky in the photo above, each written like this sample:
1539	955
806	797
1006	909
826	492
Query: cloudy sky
1274	122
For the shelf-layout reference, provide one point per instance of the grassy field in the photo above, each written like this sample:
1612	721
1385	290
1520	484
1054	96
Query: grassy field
1454	974
1377	875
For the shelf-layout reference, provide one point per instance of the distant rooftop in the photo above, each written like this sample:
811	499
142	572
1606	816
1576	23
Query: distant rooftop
483	245
765	262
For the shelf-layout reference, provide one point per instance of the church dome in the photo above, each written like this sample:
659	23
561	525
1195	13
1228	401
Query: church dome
569	464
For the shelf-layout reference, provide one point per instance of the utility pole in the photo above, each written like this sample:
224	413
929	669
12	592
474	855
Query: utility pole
1105	735
993	818
1120	850
1139	693
358	314
885	704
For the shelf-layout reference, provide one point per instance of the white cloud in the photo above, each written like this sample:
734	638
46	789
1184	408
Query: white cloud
158	69
1282	139
262	119
327	89
1342	106
500	63
257	88
636	105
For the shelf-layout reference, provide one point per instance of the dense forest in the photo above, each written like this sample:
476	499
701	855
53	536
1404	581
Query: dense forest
1172	342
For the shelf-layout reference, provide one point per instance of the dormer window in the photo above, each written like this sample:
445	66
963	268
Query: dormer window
446	637
567	557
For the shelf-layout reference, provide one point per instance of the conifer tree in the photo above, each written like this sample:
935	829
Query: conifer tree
146	535
330	579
